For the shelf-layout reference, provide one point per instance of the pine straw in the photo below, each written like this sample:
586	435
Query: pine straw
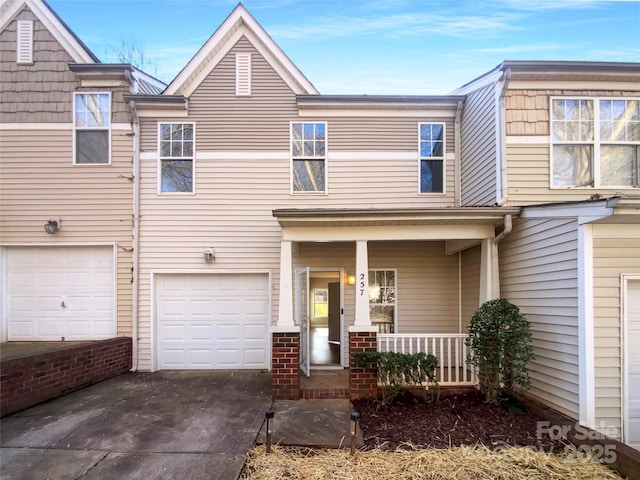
460	463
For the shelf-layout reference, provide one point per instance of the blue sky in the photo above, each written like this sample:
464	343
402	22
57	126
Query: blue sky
404	47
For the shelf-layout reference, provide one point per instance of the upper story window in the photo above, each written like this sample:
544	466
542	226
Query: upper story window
431	157
382	299
176	147
308	157
24	41
92	128
595	142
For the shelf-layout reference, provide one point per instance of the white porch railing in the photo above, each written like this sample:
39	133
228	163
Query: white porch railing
449	348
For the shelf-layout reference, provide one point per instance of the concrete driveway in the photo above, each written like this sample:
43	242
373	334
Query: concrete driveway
164	425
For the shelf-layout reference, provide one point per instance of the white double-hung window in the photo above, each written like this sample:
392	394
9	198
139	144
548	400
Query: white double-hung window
595	142
92	128
309	157
431	139
176	147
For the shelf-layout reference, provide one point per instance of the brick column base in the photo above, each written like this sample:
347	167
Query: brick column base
285	363
363	382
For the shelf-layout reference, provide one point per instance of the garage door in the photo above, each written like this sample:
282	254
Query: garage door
216	321
60	293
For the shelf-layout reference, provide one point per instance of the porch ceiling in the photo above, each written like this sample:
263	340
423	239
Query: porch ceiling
393	217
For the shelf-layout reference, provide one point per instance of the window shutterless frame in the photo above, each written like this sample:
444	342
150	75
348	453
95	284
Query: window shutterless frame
176	168
308	165
432	165
592	139
91	128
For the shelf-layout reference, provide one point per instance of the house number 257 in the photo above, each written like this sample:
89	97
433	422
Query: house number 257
362	284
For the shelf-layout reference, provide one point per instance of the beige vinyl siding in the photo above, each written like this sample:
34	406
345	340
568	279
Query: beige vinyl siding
470	276
38	182
616	250
529	160
539	274
478	148
38	92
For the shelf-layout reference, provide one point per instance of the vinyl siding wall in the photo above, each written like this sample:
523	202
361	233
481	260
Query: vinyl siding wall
539	274
242	173
528	148
470	275
616	250
38	180
478	148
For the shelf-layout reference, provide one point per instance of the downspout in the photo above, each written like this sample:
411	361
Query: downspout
136	236
495	267
502	138
457	159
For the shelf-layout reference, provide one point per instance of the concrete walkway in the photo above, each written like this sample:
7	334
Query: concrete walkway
164	425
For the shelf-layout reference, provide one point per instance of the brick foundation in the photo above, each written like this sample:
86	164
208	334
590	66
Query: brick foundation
27	381
363	382
285	363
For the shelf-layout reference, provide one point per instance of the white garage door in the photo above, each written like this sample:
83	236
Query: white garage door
60	293
216	321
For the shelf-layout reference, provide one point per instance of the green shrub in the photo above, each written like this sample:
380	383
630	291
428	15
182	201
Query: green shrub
499	339
397	371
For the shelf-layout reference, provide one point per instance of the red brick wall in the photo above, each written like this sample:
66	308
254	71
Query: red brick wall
363	382
27	381
285	363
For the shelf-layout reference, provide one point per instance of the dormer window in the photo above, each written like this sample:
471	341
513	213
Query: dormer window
24	42
243	74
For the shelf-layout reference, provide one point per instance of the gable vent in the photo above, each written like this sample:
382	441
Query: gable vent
24	39
243	74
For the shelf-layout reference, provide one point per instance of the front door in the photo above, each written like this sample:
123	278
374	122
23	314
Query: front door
632	363
302	317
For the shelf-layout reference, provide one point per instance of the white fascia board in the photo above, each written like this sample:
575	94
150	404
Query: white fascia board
425	113
260	40
589	212
406	232
546	85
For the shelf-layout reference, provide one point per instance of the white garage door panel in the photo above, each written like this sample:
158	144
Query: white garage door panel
60	292
213	321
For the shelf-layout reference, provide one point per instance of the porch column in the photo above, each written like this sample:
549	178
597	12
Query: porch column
486	271
362	285
285	306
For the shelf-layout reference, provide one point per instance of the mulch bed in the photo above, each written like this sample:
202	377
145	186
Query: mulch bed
455	419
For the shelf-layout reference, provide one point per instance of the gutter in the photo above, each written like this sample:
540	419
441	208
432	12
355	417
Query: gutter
502	139
495	267
457	158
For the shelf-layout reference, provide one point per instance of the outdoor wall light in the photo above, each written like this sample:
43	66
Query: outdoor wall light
351	279
51	227
209	254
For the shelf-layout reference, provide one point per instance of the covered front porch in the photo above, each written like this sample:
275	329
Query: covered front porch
396	280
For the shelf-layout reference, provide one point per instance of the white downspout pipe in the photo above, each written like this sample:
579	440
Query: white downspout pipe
457	159
136	237
502	139
495	267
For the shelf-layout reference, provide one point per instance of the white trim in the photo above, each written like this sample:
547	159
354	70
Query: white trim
528	139
155	113
624	325
160	158
586	329
377	112
77	129
56	126
572	85
24	42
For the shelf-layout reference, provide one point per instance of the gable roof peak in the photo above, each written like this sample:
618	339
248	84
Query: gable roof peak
239	23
